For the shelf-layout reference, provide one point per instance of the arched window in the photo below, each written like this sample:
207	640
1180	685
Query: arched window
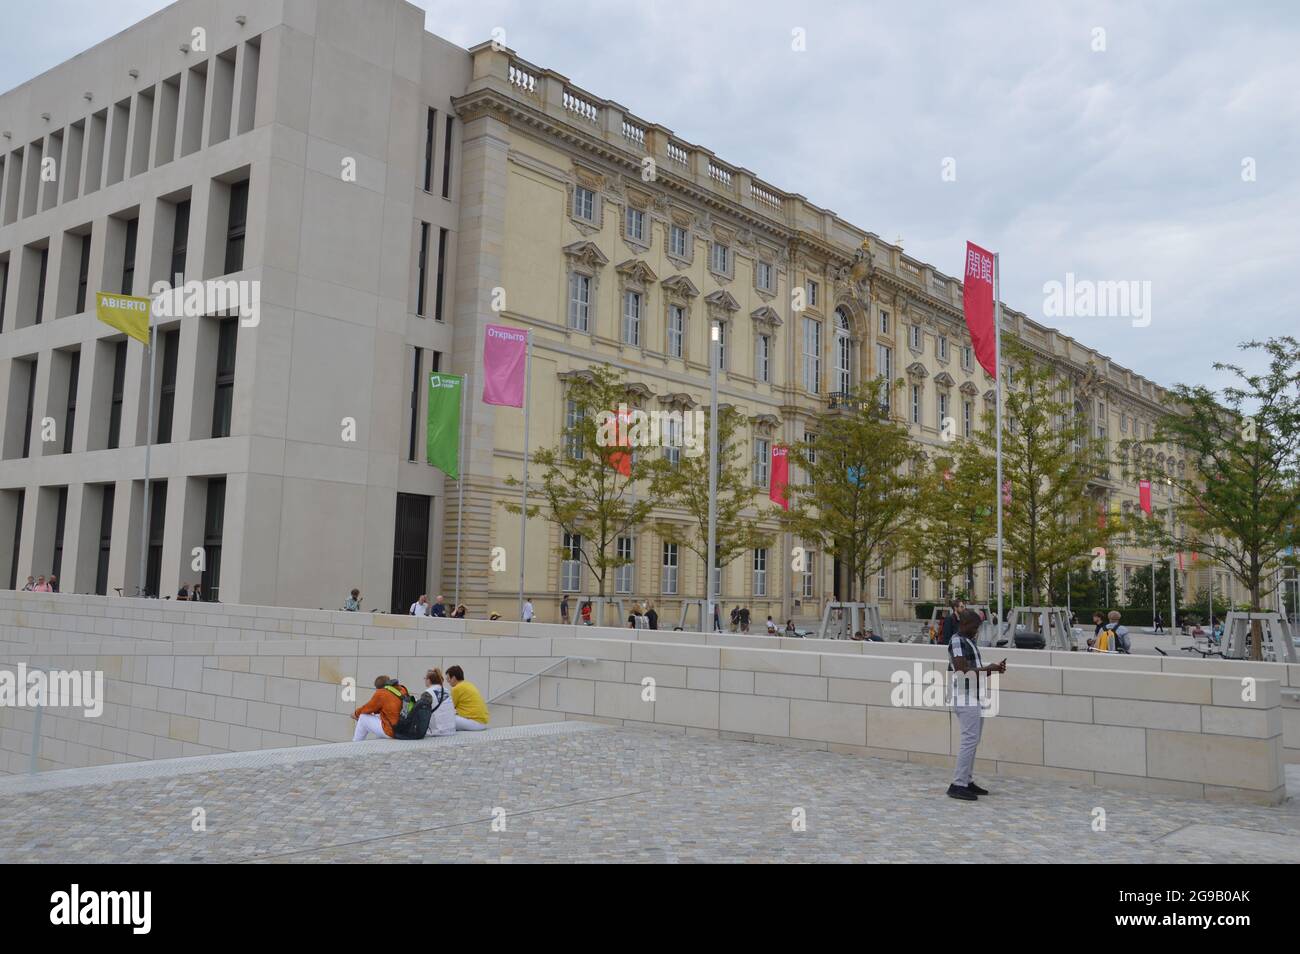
843	352
1080	423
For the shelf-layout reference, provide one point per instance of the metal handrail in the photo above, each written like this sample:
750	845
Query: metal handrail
537	675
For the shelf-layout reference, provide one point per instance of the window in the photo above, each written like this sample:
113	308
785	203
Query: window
416	382
223	400
573	417
180	242
83	274
40	285
623	572
943	582
579	301
812	355
672	438
720	258
763	358
119	390
941	347
446	158
430	130
677	241
60	525
676	329
943	409
634	223
992	581
884	322
632	318
914	337
966	357
157	519
762	459
760	571
1123	423
422	269
763	276
442	272
167	393
914	584
668	580
810	455
882	585
916	404
74	369
967	418
214	519
809	575
584	204
571	564
812	289
885	364
105	538
128	257
31	406
722	345
843	353
236	225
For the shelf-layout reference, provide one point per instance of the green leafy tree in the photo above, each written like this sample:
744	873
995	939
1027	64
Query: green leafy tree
583	486
861	498
956	522
1139	590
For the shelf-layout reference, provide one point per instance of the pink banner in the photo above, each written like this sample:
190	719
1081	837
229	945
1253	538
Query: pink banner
505	354
977	304
780	476
1144	496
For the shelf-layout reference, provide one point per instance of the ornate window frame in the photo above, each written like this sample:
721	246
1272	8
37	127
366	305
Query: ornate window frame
583	258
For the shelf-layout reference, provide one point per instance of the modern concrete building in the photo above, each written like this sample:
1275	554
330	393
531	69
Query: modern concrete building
309	147
392	194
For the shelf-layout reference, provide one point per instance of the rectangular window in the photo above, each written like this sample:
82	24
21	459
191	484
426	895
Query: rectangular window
632	318
634	222
214	519
571	564
676	330
760	571
762	459
992	582
941	347
422	269
914	337
763	277
31	406
668	577
812	293
884	322
573	418
763	358
441	280
236	225
60	525
672	439
430	130
74	370
885	365
446	157
584	204
916	404
677	241
157	520
967	418
40	285
719	258
809	575
416	384
18	536
943	410
180	242
914	584
83	274
812	355
882	585
128	257
167	393
579	301
722	345
623	572
223	399
810	455
966	357
119	390
108	493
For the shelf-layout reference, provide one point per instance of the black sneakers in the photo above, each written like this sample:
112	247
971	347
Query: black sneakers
976	790
965	794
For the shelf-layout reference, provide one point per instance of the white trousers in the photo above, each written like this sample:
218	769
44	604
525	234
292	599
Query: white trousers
367	725
971	723
469	725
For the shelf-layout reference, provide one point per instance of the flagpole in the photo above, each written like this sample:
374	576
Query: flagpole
997	366
460	477
148	444
523	506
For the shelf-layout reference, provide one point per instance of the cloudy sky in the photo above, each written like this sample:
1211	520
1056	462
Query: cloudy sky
1110	141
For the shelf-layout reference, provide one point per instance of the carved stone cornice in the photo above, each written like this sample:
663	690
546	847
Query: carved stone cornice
680	287
944	379
637	272
677	399
917	371
766	316
969	389
586	253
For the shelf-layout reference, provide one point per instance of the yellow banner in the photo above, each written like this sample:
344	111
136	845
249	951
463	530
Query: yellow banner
125	313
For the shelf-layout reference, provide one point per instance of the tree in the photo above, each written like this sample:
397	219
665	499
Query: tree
859	500
1049	459
955	516
1139	590
585	490
1239	491
685	484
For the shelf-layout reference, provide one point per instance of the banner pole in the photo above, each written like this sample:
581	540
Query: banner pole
148	444
460	478
997	366
523	512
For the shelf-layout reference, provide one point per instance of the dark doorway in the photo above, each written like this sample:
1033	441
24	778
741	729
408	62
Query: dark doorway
410	550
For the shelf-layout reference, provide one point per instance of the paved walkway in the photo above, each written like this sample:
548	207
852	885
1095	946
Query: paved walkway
577	792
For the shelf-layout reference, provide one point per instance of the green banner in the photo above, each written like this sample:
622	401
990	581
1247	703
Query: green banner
444	422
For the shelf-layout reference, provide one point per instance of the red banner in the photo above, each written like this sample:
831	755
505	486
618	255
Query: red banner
621	461
780	476
977	302
1144	495
1180	560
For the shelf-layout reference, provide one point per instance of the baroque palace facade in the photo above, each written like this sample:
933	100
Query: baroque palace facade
617	243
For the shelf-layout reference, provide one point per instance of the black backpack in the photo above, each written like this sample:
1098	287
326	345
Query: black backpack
414	723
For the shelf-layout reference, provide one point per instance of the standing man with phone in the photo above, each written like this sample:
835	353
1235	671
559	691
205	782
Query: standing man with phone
964	660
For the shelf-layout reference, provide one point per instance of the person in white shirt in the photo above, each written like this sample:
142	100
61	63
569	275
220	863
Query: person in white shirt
528	610
421	606
771	627
443	720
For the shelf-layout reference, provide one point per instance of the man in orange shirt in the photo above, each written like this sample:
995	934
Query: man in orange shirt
379	716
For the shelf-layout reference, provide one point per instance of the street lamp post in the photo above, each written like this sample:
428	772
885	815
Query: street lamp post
1173	563
714	359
